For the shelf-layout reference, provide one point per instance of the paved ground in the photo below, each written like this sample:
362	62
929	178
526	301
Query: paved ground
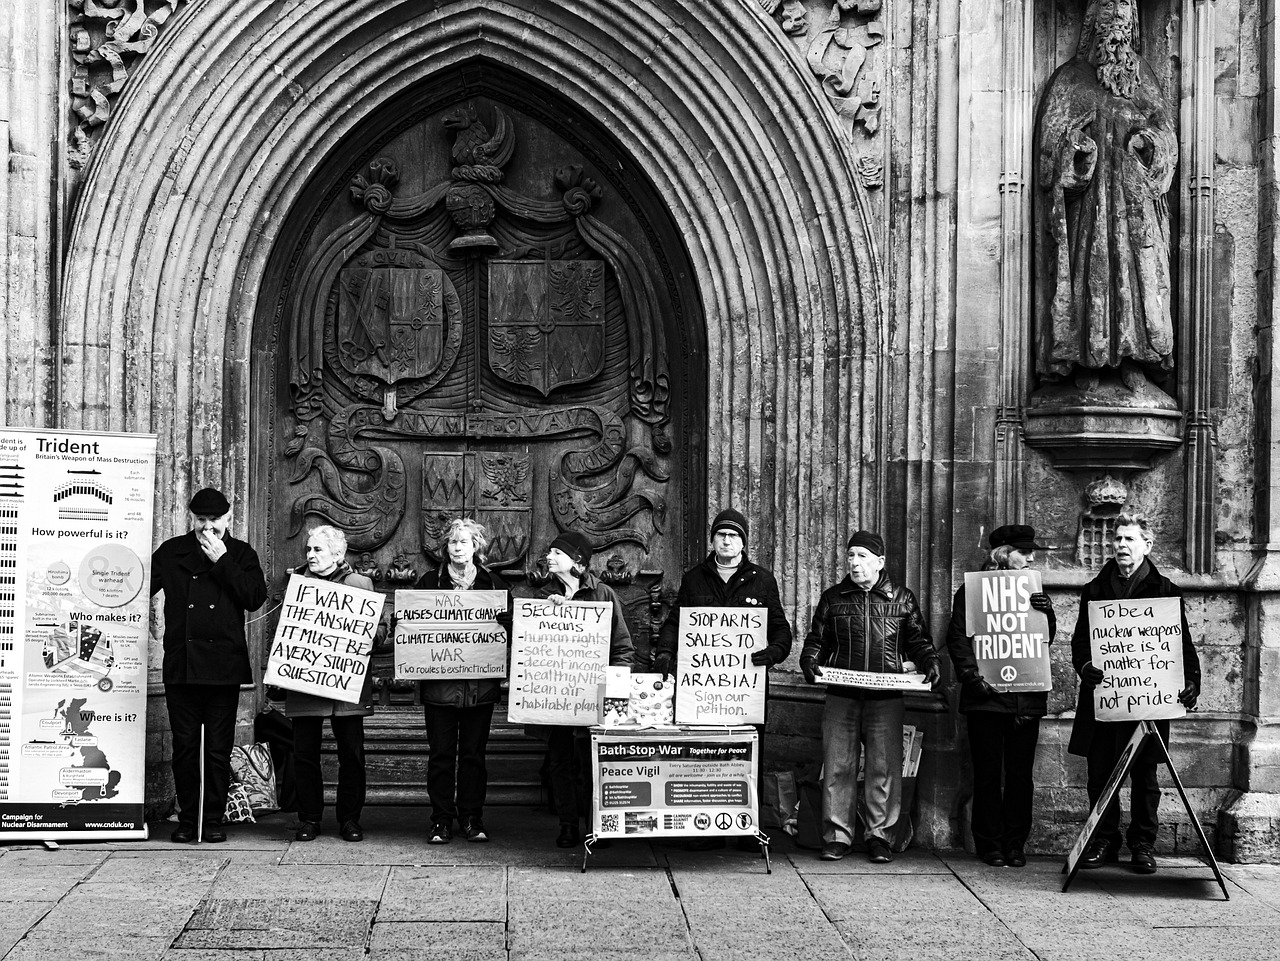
265	897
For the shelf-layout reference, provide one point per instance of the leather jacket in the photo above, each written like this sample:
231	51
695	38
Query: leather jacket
873	630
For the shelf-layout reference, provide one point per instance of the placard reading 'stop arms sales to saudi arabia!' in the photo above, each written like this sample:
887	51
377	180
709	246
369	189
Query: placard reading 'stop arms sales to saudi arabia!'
75	568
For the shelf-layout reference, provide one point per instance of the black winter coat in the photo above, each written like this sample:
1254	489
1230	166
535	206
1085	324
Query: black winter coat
751	586
1154	584
472	691
868	631
972	696
204	608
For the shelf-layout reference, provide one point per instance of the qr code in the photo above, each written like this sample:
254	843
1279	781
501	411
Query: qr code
608	824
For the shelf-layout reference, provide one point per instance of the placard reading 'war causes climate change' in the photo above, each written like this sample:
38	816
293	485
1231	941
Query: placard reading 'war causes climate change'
1010	637
1138	645
75	559
450	634
558	658
716	683
324	638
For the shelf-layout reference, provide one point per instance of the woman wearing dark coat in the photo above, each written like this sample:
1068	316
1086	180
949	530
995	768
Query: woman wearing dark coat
458	712
1004	729
567	559
326	559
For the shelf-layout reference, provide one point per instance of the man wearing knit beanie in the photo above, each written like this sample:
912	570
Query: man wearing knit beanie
725	578
865	623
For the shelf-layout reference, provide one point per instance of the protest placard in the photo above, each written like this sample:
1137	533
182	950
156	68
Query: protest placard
1138	645
1010	637
716	683
324	638
873	680
450	634
558	658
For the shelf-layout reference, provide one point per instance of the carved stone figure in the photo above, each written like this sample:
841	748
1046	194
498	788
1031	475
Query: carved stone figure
1105	155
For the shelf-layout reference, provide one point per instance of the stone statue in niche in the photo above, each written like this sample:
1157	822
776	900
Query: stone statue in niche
1106	149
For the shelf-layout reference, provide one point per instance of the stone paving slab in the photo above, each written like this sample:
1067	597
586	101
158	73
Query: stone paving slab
280	954
21	881
158	870
910	862
300	882
41	948
16	918
434	936
445	894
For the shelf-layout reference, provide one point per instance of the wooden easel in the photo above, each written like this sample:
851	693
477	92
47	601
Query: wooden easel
1147	731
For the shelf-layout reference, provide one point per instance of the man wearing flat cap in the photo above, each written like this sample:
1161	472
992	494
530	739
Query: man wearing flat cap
210	580
864	623
725	578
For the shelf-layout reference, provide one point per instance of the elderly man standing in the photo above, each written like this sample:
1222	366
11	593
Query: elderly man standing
864	623
727	579
1130	574
210	579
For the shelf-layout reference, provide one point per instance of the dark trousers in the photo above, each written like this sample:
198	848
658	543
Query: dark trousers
190	706
1109	740
348	735
569	762
456	775
1003	751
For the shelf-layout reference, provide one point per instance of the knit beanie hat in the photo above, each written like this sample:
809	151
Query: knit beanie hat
730	520
872	542
575	546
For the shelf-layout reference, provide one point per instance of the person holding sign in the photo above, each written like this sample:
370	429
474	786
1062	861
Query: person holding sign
326	559
458	712
725	578
569	748
1129	575
865	623
1004	728
210	581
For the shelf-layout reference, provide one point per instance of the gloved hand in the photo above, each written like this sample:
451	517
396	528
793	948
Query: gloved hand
1091	676
980	686
811	670
1022	720
1190	696
1040	601
761	658
933	675
662	664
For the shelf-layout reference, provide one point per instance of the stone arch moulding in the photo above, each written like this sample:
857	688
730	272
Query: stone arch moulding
228	119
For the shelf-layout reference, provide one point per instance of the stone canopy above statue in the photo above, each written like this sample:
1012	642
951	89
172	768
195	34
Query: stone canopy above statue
1106	150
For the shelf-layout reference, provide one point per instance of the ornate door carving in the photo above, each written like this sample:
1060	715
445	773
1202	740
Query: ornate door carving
474	319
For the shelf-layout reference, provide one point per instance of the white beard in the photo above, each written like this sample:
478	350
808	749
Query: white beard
1114	56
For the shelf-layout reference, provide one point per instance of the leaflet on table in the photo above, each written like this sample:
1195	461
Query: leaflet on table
75	568
873	680
663	784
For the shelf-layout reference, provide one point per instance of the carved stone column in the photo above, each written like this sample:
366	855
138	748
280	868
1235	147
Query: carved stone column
31	179
1250	826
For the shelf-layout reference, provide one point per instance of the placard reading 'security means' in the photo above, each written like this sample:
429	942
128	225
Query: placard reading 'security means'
558	658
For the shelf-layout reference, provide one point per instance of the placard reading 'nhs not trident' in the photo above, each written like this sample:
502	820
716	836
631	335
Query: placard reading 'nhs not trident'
1010	637
324	638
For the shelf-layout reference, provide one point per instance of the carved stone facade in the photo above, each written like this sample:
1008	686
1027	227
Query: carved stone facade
380	261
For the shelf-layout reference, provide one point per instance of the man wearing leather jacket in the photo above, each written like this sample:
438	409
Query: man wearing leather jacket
864	623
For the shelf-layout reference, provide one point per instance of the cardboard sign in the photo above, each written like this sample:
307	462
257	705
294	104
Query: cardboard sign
324	638
1138	645
873	680
450	634
716	683
1010	638
558	658
670	783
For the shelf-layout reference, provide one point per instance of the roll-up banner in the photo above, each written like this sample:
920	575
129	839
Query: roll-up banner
75	569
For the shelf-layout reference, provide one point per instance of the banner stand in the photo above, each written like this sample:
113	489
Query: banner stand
760	836
1146	732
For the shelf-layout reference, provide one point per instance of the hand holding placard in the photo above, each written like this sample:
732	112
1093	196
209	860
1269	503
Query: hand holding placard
1137	644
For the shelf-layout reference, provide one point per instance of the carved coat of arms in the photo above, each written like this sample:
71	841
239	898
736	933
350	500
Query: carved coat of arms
391	321
495	488
546	322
